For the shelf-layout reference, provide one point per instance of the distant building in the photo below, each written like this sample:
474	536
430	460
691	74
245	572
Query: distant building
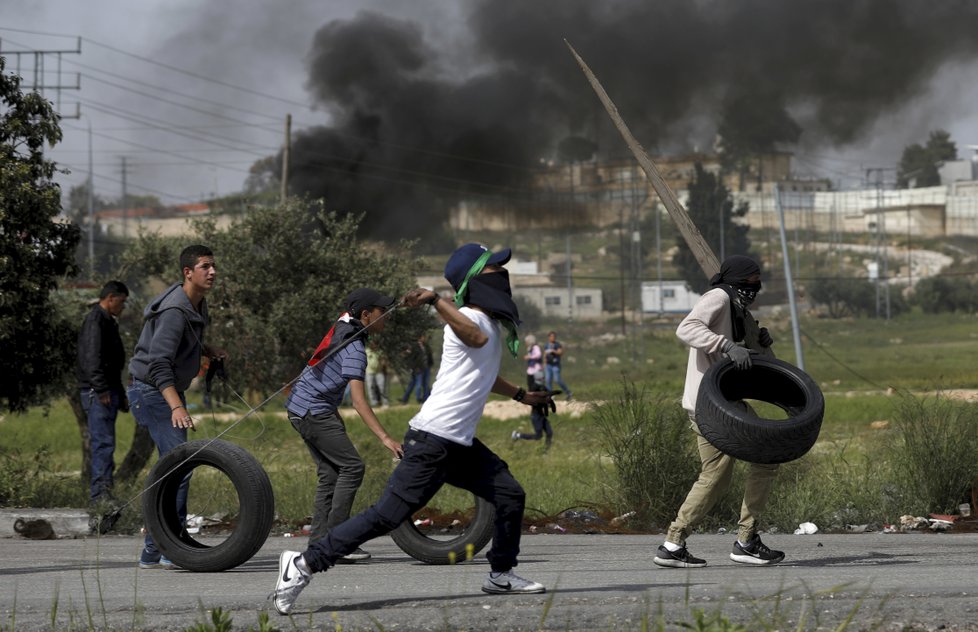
671	297
577	303
168	221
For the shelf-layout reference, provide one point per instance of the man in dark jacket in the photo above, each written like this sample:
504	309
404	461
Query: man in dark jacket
101	359
166	360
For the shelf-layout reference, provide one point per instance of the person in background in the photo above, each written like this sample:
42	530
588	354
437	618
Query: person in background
101	359
720	325
553	351
534	361
539	417
376	376
421	360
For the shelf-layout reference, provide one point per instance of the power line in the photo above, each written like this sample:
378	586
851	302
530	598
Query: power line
195	75
169	90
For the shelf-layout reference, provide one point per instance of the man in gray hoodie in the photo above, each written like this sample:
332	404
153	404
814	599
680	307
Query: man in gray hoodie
166	360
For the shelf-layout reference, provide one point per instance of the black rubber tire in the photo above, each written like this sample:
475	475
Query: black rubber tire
255	497
736	430
477	533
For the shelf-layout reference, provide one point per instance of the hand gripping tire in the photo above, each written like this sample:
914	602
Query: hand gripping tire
254	520
735	429
462	547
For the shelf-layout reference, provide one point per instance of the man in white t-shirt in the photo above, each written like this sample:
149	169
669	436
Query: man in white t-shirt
440	445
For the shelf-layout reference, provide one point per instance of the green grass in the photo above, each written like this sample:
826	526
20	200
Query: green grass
855	361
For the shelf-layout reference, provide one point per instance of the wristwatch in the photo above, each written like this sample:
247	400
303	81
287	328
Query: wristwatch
520	394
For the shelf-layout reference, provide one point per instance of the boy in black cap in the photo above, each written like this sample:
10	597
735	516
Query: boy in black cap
312	408
440	445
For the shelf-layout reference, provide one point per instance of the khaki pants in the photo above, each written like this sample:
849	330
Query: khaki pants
714	479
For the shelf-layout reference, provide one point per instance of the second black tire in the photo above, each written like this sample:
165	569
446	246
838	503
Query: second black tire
473	538
254	519
737	430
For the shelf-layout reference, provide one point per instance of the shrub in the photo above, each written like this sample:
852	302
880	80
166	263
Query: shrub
934	456
940	294
649	440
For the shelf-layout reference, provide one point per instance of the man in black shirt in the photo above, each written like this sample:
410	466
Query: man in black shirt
101	359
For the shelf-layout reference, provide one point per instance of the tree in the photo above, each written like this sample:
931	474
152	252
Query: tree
918	165
38	342
712	209
283	274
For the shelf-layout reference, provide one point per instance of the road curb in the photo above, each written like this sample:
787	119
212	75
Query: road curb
66	523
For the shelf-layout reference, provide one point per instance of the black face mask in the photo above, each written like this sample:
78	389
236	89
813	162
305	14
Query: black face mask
492	292
747	292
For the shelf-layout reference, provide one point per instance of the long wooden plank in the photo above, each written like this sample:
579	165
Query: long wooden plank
694	239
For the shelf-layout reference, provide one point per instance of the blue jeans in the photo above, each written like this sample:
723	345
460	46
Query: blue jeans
152	412
541	425
429	462
419	384
553	375
101	434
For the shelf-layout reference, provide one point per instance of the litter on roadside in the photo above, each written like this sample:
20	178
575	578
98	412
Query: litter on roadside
806	528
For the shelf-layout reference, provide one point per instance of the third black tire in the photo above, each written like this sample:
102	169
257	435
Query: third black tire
460	548
737	430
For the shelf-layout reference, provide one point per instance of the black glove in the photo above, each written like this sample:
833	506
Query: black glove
764	337
550	406
740	356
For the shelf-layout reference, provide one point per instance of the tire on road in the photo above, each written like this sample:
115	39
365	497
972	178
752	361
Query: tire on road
735	429
460	548
255	497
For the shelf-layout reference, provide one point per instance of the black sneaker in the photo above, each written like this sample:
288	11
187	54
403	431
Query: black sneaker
677	559
755	552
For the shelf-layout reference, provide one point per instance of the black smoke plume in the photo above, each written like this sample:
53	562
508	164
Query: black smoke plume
417	127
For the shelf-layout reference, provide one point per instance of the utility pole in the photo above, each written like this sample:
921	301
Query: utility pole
789	284
125	201
286	156
658	257
881	250
91	207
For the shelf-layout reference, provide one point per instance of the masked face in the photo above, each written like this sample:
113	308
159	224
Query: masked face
491	292
747	292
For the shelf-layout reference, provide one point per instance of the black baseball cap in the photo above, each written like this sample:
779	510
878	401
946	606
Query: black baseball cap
465	256
364	298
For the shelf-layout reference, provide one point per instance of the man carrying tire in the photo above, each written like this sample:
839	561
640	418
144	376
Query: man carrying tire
720	325
440	445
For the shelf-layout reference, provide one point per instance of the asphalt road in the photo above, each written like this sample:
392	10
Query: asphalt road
595	582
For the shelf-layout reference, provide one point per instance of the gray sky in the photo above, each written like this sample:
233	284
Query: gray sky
132	105
185	137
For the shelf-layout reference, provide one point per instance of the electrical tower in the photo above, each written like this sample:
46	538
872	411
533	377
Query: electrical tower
41	72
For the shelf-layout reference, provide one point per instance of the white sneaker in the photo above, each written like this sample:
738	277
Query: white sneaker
291	581
508	583
516	435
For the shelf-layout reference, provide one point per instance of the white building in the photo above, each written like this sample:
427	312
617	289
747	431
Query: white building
577	303
674	297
